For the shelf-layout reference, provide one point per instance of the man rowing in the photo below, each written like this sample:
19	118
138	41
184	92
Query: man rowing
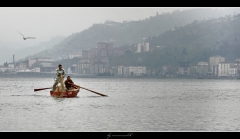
69	83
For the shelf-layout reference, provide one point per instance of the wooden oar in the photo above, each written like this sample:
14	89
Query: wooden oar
42	89
80	87
94	91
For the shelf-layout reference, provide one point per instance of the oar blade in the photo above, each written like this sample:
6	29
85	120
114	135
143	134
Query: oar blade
39	89
94	92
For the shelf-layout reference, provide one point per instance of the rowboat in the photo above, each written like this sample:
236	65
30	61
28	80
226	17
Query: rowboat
66	93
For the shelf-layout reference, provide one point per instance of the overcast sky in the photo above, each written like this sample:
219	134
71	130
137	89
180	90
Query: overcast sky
47	22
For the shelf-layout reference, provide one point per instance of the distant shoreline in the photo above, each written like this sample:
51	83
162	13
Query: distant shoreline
52	75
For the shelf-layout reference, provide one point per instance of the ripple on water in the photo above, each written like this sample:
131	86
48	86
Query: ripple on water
132	105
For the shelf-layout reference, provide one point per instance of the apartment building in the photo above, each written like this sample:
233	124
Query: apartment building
131	71
143	47
223	69
213	63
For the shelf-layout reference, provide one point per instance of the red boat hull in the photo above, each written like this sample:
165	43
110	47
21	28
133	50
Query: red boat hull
66	94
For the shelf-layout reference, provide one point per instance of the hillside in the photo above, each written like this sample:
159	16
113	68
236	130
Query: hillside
192	43
22	53
44	46
128	33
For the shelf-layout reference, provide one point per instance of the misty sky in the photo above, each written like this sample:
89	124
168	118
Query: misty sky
47	22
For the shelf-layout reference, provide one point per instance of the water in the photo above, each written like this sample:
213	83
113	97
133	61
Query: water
132	105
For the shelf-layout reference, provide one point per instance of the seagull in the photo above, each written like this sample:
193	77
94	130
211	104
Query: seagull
26	37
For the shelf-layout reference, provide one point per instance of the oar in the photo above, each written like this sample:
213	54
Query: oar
93	91
42	89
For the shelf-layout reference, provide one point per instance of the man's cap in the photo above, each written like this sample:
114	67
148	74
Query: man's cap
59	65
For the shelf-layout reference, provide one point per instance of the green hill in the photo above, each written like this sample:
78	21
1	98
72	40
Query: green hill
192	43
129	33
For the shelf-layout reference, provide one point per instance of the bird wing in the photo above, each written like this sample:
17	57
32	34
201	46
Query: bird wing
21	34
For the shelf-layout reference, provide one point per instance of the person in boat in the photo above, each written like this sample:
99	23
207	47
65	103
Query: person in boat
60	73
69	83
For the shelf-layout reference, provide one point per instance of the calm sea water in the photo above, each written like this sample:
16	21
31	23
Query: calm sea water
132	105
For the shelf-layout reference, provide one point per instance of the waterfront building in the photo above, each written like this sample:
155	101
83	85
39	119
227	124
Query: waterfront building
213	63
223	69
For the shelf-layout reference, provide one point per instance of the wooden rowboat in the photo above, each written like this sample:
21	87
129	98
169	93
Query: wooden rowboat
66	94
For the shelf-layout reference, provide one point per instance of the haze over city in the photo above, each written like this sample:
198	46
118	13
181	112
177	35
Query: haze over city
47	22
119	69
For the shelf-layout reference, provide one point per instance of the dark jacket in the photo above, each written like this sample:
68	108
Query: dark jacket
67	83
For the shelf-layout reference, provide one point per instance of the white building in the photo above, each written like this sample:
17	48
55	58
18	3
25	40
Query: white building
2	68
37	69
143	47
22	65
234	68
11	65
121	70
83	68
223	69
184	71
69	70
136	71
45	64
44	59
233	71
214	61
31	62
131	71
71	56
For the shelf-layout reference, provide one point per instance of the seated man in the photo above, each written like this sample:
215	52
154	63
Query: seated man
69	83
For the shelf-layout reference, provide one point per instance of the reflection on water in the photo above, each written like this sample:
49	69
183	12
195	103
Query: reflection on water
132	105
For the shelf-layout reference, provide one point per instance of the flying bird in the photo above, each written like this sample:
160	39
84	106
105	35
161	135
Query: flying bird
26	37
